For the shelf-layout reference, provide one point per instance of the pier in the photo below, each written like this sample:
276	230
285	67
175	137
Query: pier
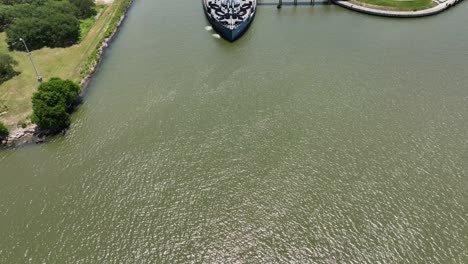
280	3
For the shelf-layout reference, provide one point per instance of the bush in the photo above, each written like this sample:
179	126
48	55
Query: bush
22	123
3	131
7	70
52	104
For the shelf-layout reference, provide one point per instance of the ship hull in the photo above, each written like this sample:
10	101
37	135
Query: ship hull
228	33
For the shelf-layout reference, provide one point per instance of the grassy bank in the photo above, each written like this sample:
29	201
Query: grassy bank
396	5
87	24
66	63
119	7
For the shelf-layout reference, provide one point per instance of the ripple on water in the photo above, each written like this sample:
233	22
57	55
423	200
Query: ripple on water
311	146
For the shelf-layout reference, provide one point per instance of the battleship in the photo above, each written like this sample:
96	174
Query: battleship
230	18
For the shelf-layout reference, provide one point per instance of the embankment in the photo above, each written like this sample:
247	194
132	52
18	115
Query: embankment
401	14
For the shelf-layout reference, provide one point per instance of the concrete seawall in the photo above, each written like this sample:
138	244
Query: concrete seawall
404	14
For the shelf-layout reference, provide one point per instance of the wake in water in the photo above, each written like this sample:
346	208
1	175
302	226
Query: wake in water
209	29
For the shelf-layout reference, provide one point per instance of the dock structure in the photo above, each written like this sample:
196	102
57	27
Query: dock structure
295	2
441	6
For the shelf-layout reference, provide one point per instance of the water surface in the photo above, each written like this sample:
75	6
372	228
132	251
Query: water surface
321	136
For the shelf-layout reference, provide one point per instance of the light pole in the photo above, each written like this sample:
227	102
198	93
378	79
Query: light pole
39	77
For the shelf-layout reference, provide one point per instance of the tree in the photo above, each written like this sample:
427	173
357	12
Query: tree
52	103
37	9
5	17
8	14
42	23
7	70
56	30
85	7
13	2
3	131
67	90
28	28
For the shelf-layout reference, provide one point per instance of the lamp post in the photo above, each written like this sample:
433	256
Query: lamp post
39	77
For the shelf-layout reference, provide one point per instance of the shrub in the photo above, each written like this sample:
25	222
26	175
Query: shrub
22	123
7	70
52	104
3	131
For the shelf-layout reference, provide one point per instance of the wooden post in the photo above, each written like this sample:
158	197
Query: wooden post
280	3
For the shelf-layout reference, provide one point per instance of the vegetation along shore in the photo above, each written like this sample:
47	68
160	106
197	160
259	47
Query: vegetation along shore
68	58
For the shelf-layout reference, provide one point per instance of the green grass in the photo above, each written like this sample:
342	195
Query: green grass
66	63
88	23
85	27
401	5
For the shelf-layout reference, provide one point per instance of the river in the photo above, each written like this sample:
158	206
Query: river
321	136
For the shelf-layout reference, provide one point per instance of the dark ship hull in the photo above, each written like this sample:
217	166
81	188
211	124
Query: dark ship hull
230	18
229	34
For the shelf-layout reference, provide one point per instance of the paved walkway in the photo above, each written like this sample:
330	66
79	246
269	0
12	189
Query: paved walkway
420	13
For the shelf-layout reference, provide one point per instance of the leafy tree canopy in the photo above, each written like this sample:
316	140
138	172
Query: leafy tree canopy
85	7
7	70
43	23
13	2
37	9
57	30
52	103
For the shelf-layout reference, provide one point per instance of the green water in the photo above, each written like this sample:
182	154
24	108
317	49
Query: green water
321	136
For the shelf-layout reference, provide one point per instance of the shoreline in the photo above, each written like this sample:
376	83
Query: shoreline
94	65
397	14
31	133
